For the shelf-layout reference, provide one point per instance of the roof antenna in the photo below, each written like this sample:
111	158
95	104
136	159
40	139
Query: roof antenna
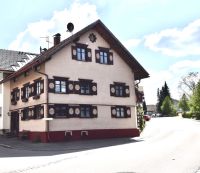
47	40
70	27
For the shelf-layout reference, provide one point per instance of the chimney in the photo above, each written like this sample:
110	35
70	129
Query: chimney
56	39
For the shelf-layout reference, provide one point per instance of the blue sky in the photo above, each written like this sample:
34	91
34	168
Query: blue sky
163	35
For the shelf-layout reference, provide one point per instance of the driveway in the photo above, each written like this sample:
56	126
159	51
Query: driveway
166	145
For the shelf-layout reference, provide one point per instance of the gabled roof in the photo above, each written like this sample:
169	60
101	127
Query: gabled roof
12	60
114	43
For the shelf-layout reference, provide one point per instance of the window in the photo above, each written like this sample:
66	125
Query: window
119	90
14	96
61	110
104	56
60	86
85	112
27	92
38	112
25	114
120	112
85	87
80	52
37	88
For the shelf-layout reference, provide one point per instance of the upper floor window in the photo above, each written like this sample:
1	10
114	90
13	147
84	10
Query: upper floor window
72	111
119	90
85	87
120	112
104	56
60	86
25	91
15	96
37	88
80	52
61	110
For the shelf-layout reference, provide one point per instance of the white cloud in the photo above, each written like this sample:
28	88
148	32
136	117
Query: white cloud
176	42
172	76
30	39
131	43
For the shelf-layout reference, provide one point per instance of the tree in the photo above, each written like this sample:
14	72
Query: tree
187	83
167	106
162	94
184	104
195	101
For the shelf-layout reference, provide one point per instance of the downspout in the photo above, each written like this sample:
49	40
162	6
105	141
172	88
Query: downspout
47	104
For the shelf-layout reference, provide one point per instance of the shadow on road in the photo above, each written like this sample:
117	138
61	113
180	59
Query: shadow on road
13	147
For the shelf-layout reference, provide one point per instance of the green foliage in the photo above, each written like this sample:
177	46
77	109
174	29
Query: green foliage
140	116
187	115
162	94
184	104
195	101
167	107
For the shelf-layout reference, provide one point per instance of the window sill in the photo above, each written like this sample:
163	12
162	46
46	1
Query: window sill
24	100
14	102
36	97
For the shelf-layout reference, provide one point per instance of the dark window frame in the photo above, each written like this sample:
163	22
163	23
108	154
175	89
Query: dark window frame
60	112
82	52
120	90
104	56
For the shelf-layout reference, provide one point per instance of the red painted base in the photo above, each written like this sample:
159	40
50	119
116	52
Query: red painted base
58	136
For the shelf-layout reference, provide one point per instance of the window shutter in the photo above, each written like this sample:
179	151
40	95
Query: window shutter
71	111
77	111
51	111
128	112
94	112
41	111
42	86
51	86
89	55
94	88
22	115
110	60
112	90
18	94
126	91
70	87
113	112
74	53
97	55
33	89
12	96
77	87
23	93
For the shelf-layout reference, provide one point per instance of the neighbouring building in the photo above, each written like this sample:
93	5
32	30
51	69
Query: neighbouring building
81	88
10	61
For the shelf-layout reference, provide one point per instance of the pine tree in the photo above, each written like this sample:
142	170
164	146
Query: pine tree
162	94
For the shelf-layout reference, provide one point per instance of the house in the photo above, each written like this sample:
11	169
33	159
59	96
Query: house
10	61
81	88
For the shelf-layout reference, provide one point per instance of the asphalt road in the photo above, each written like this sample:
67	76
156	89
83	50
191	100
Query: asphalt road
167	145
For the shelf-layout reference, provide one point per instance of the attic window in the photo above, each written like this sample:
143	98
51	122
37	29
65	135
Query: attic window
104	56
80	52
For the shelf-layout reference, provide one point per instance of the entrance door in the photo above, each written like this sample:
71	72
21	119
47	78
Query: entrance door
14	123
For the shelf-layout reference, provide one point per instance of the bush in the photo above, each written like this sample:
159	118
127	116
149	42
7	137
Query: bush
187	115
